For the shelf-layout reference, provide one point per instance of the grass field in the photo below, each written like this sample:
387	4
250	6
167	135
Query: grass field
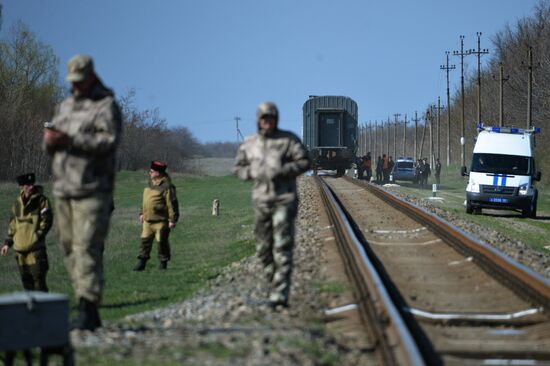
201	244
452	190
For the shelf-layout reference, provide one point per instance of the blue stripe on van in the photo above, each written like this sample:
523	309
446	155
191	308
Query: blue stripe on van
503	180
495	180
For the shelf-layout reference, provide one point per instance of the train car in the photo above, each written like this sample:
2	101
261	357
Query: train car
330	132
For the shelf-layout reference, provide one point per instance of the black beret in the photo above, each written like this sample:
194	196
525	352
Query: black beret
26	179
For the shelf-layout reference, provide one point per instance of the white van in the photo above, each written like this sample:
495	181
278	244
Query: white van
503	171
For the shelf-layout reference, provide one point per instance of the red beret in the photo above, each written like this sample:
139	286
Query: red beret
158	166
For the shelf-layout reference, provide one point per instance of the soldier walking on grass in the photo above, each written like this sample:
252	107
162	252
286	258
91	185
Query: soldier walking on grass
159	214
82	139
31	219
273	158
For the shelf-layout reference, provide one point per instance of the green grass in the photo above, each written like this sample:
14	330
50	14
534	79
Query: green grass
332	287
163	355
533	232
201	244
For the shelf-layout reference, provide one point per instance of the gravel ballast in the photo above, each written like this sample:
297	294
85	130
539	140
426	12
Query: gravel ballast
229	321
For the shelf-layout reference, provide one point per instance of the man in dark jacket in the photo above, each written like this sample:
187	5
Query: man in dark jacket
31	219
159	214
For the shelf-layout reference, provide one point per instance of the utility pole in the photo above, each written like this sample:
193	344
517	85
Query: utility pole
382	143
239	134
502	79
396	115
448	68
530	87
388	124
361	139
479	52
405	136
415	134
431	119
375	149
371	137
461	53
438	126
426	117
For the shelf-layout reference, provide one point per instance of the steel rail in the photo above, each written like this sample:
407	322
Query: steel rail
396	344
521	279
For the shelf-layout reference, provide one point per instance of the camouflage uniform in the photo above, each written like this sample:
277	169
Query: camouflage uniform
160	206
273	161
31	219
84	173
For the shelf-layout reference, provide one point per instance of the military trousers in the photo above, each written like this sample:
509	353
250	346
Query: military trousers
83	224
33	267
159	231
274	231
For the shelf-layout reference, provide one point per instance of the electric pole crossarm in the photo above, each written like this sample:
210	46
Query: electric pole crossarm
478	53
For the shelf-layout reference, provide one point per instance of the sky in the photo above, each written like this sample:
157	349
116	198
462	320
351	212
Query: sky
204	62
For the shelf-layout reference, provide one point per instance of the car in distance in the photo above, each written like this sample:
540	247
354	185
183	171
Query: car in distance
403	169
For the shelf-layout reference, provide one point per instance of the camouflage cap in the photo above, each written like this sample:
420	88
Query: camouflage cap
79	67
267	109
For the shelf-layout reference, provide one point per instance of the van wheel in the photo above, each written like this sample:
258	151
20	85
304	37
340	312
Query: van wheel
469	208
340	171
531	211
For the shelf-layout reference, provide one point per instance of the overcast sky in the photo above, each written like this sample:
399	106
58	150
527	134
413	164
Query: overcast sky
202	63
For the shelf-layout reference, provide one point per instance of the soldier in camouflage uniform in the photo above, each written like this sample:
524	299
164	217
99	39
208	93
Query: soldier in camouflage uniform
159	214
31	219
273	158
82	140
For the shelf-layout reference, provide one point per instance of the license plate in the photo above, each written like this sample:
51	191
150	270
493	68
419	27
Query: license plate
498	200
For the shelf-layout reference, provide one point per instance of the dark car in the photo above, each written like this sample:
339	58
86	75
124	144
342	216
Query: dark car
404	170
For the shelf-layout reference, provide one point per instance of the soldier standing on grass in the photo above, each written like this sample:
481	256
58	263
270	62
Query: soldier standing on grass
31	219
273	158
159	214
82	139
437	171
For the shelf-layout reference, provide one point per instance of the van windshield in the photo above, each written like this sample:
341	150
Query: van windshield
502	164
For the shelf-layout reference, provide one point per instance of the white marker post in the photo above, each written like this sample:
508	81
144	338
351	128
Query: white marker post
434	190
216	207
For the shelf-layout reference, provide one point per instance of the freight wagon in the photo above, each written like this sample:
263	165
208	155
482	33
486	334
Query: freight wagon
330	132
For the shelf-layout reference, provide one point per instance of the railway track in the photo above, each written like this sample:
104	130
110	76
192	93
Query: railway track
430	293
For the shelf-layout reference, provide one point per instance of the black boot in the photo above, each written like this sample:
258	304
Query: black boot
140	265
163	265
88	316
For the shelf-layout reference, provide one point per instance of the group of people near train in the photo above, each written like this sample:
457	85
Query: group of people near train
82	140
385	165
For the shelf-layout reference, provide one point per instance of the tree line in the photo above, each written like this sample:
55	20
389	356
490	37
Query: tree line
510	49
31	87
